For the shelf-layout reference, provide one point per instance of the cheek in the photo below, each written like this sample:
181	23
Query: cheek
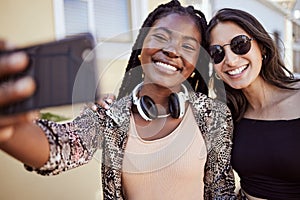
255	55
190	67
217	68
191	60
256	61
145	55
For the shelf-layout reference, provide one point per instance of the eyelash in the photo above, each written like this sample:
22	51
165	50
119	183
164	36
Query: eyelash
189	47
160	37
163	38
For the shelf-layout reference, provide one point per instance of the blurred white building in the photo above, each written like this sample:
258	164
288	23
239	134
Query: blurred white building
279	17
118	20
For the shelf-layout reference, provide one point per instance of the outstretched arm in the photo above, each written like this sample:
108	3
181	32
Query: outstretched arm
28	144
19	136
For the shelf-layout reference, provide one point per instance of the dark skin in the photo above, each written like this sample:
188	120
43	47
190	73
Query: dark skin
182	54
16	129
175	41
12	91
169	58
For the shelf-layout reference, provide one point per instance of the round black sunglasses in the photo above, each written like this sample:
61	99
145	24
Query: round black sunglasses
240	45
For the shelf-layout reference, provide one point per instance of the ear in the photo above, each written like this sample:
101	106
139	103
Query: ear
263	50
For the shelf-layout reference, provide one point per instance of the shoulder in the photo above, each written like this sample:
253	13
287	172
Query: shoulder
210	112
205	104
286	97
295	93
120	110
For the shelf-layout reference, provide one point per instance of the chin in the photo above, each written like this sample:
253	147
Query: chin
238	86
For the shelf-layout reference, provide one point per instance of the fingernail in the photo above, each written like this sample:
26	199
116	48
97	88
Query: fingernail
17	58
32	115
109	101
6	133
23	84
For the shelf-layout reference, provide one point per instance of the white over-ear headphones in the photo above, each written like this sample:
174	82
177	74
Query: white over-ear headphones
148	110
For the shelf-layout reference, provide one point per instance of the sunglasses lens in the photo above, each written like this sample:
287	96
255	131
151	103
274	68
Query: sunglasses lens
217	53
240	44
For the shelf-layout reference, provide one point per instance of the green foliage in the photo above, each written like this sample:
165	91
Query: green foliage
53	117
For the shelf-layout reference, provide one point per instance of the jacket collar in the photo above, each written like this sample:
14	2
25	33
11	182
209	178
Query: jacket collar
120	110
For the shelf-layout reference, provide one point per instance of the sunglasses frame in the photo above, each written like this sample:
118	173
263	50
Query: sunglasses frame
219	49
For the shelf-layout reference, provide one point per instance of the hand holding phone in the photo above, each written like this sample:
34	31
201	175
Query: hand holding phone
13	91
64	71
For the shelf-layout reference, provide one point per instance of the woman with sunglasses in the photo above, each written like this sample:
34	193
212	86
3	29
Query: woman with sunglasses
263	97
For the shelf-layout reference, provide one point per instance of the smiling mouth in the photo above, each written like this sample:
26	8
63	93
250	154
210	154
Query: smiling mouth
237	71
167	66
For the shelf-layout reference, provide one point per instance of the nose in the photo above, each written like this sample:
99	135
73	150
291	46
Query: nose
171	51
230	57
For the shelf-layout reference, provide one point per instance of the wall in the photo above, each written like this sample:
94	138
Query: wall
26	22
16	183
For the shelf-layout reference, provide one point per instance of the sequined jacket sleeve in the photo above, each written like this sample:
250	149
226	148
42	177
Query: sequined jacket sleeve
71	144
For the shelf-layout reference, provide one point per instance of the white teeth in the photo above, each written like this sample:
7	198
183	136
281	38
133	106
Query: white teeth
166	66
237	71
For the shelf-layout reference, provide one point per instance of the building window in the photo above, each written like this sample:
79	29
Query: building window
113	19
108	20
76	16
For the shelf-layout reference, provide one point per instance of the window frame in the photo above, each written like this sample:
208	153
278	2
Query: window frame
137	14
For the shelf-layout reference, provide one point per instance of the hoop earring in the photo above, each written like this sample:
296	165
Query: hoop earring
192	75
139	57
217	76
211	88
264	57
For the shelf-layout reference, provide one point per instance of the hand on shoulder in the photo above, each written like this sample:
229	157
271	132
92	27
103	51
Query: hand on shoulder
106	100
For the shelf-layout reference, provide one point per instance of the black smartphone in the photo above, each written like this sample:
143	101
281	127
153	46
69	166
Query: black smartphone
65	72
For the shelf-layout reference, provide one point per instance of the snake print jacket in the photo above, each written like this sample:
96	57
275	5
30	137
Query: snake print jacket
73	144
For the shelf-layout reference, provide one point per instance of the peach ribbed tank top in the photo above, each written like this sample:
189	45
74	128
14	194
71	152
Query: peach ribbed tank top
168	168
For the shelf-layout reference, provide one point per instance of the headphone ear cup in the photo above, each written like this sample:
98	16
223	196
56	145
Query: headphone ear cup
174	105
147	108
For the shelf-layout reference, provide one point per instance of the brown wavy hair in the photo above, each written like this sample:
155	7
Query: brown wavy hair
273	69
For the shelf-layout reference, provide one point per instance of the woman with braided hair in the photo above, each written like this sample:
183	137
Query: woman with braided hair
162	139
197	81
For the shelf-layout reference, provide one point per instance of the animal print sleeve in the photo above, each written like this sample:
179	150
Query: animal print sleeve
71	144
220	130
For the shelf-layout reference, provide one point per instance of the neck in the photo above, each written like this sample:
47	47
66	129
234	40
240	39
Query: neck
260	94
158	93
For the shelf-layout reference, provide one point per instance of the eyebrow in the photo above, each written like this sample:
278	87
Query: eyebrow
170	32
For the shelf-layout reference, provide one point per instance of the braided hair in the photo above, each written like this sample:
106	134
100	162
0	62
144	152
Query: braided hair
200	74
